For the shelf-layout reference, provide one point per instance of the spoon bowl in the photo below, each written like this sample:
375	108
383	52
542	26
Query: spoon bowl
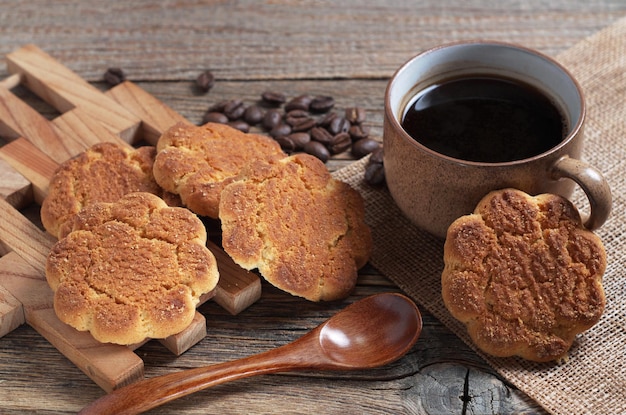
372	332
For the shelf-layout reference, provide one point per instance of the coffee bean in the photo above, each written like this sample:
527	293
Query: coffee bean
294	117
217	117
300	139
358	131
303	124
356	115
374	174
253	115
377	155
321	135
317	149
297	114
301	102
286	143
234	109
340	143
205	81
364	147
218	107
338	125
281	129
114	76
273	98
271	119
321	104
326	119
240	125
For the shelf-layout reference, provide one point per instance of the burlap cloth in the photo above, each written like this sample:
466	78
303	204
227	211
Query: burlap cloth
593	381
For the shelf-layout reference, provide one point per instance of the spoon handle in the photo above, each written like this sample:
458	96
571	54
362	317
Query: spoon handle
150	393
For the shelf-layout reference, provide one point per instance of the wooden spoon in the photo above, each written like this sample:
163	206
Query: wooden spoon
368	333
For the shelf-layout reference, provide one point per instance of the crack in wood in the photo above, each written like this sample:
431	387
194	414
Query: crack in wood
466	398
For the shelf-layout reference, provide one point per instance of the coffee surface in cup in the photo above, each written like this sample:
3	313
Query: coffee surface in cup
484	119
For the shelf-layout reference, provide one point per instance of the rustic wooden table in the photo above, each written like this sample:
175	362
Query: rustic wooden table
345	49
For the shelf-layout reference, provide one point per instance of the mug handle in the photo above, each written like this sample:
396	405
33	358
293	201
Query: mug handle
594	185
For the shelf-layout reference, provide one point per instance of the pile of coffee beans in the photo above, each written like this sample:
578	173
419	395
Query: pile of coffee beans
307	123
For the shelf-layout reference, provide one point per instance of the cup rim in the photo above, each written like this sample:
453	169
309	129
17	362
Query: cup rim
396	124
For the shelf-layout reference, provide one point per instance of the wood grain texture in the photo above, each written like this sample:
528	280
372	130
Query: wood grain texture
156	41
14	187
346	49
11	312
33	164
62	88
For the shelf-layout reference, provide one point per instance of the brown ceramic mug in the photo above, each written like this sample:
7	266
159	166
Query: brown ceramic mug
433	189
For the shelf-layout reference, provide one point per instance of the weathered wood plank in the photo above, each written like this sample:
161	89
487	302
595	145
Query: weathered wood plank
283	39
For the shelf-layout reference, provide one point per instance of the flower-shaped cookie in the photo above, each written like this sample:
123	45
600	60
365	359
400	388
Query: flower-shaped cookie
103	173
131	270
302	229
197	162
524	275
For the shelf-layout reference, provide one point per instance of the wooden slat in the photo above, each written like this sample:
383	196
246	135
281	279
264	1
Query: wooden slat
183	341
32	163
11	311
23	237
77	125
18	119
65	90
238	288
14	187
62	138
110	366
16	191
156	117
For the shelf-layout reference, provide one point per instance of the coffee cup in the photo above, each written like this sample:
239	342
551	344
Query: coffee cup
468	118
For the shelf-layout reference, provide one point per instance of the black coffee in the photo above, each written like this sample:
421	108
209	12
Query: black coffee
485	119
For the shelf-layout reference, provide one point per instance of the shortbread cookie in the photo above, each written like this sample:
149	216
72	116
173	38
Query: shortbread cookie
131	270
302	229
197	162
524	275
103	173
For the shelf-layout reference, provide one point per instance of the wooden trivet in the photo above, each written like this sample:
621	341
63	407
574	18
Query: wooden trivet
126	114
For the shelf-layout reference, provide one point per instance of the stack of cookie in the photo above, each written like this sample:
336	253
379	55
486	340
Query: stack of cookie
131	262
283	215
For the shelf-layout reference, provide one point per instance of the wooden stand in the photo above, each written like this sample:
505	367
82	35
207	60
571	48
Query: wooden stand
125	114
